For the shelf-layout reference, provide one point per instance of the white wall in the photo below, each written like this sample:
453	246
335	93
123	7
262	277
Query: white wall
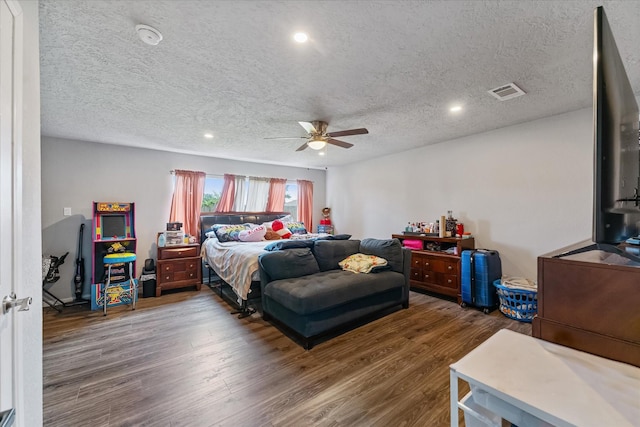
523	190
76	173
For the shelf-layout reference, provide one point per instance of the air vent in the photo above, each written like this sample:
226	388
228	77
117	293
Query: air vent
507	91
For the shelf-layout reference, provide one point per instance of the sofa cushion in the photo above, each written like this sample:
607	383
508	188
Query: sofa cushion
318	292
290	263
334	237
389	249
329	253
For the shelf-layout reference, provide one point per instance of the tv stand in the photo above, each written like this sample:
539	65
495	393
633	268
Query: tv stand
589	299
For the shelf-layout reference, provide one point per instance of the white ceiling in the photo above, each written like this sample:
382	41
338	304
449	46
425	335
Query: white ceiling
393	67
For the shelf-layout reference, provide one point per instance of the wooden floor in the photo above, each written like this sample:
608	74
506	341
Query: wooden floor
184	360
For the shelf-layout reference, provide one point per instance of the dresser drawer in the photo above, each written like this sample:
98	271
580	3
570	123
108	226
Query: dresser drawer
179	252
450	281
179	265
178	275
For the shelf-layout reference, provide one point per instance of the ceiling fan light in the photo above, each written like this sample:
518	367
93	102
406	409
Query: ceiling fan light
316	144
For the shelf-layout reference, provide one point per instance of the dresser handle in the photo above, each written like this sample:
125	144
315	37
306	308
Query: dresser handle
426	264
179	252
426	276
166	278
167	268
450	268
449	281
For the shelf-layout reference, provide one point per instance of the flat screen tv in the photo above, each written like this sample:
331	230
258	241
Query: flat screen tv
114	227
616	203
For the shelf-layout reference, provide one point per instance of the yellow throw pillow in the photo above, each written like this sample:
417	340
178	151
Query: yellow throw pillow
361	263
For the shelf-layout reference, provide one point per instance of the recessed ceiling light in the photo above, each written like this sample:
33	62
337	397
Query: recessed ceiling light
300	37
321	153
208	135
455	108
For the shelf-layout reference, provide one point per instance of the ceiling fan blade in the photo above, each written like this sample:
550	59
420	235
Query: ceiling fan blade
302	147
308	127
339	143
287	137
360	131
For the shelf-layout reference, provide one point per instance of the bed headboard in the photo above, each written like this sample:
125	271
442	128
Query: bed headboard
208	220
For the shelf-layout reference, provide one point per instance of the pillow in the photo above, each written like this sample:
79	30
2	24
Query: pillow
288	244
296	227
336	237
287	218
361	263
287	264
211	233
284	219
253	235
330	252
389	249
230	233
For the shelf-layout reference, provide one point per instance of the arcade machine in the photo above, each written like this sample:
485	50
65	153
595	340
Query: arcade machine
113	231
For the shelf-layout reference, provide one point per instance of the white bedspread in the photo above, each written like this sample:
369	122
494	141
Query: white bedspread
237	262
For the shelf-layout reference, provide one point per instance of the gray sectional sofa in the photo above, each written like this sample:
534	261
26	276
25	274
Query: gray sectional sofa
304	288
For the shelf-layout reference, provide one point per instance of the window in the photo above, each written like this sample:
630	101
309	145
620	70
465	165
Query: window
291	199
212	192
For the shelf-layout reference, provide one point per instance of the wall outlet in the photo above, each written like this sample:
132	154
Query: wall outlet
67	212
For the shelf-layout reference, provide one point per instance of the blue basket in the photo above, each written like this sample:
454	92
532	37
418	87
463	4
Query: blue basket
518	304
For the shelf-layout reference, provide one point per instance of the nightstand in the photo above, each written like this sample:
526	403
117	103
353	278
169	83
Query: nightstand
178	267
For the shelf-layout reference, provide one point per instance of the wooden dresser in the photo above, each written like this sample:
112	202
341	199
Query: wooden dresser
179	267
590	301
436	266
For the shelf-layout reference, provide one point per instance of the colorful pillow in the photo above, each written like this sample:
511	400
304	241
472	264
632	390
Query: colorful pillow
361	263
296	227
230	233
253	235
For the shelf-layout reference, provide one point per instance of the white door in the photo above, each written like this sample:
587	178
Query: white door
11	263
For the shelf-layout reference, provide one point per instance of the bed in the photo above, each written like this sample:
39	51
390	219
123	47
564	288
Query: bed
236	263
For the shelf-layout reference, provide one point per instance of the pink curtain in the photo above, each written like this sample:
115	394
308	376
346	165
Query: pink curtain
275	202
187	200
305	203
228	194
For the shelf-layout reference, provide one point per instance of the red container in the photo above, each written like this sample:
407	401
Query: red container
459	229
412	244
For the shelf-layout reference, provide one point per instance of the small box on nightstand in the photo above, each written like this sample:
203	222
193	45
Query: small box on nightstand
325	229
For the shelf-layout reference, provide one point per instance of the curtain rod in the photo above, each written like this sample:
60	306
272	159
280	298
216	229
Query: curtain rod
173	172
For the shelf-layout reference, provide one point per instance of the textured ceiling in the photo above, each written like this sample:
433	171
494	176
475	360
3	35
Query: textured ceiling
394	67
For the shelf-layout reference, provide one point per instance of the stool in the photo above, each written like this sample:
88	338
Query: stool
120	258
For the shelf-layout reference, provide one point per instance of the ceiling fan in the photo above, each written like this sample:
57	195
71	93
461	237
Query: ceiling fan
318	137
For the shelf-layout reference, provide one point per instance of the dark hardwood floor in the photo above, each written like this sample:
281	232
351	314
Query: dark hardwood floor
183	360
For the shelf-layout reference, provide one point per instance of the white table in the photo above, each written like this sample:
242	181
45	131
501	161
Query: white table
557	384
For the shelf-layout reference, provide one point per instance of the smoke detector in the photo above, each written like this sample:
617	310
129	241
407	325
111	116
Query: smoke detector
507	91
148	34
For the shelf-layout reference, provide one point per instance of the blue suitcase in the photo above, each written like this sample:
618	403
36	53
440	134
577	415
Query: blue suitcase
480	267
